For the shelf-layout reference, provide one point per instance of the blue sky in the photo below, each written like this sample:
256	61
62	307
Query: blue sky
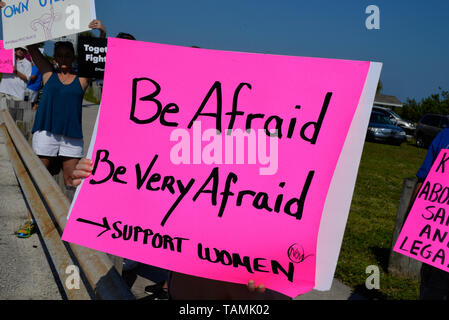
412	41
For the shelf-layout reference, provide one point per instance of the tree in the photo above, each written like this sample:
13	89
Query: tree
435	103
379	87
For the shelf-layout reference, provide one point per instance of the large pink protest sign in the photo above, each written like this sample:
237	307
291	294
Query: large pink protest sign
170	189
424	234
6	59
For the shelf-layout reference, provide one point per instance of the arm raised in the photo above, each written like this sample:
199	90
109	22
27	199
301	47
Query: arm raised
41	62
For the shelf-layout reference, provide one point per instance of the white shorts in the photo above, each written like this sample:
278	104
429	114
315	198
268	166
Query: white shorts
48	144
32	95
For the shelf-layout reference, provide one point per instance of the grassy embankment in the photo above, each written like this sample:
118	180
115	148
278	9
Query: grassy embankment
371	221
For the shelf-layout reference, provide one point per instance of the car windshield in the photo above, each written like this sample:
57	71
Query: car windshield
379	118
395	114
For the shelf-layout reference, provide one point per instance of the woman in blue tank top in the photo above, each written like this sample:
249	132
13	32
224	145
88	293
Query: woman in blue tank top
57	130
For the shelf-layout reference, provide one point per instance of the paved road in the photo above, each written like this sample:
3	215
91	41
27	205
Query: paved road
25	272
90	112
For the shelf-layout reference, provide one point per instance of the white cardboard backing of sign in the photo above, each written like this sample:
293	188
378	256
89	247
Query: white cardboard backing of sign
338	201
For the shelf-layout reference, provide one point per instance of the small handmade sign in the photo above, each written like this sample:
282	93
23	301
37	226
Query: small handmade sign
424	236
6	59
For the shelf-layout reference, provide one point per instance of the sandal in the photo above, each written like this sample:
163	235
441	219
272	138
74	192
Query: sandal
26	230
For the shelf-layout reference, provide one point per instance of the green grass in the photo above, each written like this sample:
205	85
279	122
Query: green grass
371	221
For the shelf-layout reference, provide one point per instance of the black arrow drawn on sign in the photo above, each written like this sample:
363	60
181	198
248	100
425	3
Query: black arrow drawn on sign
104	225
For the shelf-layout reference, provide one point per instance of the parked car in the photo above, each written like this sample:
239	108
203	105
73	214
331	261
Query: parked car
428	128
408	126
381	129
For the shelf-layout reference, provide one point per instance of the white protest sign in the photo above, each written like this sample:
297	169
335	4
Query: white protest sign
27	22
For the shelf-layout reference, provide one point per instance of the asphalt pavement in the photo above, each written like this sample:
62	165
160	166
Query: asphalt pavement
25	271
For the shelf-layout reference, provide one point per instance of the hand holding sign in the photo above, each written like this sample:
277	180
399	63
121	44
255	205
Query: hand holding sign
82	170
253	288
98	25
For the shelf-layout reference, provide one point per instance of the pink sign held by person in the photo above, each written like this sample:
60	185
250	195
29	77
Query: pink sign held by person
6	59
424	236
218	164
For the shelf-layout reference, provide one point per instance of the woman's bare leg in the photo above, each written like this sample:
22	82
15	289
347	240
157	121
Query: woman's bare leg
46	161
68	166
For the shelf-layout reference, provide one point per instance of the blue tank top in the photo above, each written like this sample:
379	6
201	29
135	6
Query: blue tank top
60	108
